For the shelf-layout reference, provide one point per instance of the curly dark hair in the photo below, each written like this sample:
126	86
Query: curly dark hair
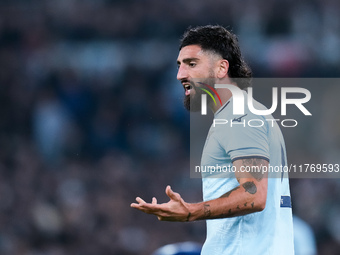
220	41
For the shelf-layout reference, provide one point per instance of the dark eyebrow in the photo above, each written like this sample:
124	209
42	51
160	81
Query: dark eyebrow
187	60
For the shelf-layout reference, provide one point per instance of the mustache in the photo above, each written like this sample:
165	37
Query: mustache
189	81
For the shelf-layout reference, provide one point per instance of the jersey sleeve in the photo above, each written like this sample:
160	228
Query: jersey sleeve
246	137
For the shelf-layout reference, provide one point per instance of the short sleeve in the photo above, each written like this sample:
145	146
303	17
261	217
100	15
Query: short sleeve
245	138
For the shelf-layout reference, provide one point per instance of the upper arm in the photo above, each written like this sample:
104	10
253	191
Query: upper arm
250	175
251	168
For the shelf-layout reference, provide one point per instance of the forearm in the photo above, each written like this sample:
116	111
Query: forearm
248	197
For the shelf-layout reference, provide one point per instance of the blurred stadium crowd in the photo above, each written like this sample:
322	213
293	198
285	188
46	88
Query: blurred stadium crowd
91	116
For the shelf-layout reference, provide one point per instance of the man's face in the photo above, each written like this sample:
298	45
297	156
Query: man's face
195	65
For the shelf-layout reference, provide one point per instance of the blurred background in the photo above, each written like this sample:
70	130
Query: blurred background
91	116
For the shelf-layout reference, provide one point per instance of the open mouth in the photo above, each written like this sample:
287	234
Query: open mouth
187	88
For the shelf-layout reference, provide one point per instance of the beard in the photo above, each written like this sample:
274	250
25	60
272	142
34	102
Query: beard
192	102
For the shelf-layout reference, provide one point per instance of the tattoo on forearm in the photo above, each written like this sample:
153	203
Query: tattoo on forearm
256	165
250	187
245	204
252	205
224	215
207	211
229	192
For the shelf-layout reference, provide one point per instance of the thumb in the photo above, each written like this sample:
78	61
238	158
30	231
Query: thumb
172	195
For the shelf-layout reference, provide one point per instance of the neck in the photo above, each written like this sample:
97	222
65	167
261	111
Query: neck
224	94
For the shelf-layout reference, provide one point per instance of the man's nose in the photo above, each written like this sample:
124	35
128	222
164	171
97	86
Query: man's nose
182	73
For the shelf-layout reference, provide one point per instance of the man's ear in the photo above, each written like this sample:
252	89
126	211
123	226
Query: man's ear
223	69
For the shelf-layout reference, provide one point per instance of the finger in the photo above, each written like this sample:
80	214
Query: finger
134	205
172	195
147	208
143	206
154	200
139	200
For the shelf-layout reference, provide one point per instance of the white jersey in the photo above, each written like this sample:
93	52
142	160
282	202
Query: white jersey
269	232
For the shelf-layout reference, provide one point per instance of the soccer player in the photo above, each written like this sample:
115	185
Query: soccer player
248	213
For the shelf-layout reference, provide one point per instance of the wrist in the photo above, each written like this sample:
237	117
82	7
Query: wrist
193	214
